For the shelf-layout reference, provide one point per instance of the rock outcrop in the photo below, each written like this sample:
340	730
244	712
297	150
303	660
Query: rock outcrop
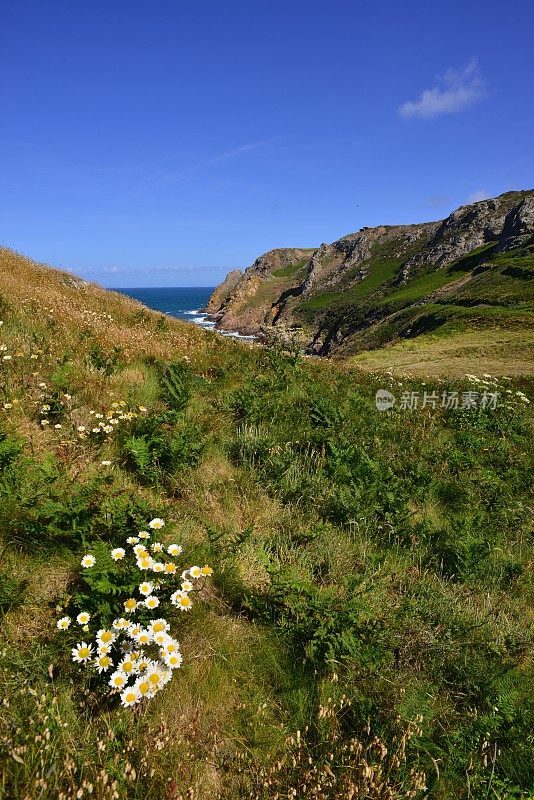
328	295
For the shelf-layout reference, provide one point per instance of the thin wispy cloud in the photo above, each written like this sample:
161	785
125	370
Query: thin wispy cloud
227	155
480	194
457	90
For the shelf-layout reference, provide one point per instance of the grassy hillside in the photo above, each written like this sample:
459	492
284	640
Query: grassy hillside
368	628
485	292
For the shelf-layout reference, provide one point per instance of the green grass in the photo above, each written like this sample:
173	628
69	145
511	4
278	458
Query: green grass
369	620
291	270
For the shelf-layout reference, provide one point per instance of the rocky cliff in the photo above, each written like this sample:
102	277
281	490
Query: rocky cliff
371	287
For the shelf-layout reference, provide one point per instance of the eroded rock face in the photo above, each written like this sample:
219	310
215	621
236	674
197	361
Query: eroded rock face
223	291
249	305
302	289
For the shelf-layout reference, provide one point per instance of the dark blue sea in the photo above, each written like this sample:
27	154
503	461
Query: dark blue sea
183	302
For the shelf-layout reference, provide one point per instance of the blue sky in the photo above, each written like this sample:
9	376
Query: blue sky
164	143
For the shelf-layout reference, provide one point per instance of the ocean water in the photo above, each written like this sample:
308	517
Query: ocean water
179	301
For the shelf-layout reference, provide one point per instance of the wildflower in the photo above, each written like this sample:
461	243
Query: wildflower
127	665
103	663
130	605
45	408
170	568
44	422
207	571
99	416
103	649
156	524
174	549
83	618
156	547
184	603
118	680
170	646
88	561
7	358
57	426
82	652
173	660
63	623
146	588
104	463
80	428
145	563
157	566
118	553
158	625
42	386
108	428
143	687
130	696
134	630
152	601
132	540
154	675
187	586
105	637
140	551
144	637
8	405
195	572
144	535
120	624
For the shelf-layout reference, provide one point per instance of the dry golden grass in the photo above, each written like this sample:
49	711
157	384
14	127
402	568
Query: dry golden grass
495	351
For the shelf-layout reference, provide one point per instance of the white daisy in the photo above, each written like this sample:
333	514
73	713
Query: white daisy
118	680
83	618
82	652
117	553
63	623
88	561
103	663
156	524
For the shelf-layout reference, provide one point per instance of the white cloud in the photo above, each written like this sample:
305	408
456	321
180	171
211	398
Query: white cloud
457	90
173	177
480	194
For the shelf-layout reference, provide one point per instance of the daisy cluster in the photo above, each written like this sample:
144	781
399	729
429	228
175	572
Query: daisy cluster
511	397
139	658
100	424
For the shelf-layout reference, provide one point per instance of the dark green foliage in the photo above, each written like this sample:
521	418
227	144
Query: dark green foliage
158	446
10	449
41	506
106	362
11	592
327	628
174	381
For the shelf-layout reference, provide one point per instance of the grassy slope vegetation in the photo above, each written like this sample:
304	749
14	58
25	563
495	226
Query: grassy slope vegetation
368	629
494	302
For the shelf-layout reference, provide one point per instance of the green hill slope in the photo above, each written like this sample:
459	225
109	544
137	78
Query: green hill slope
368	628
